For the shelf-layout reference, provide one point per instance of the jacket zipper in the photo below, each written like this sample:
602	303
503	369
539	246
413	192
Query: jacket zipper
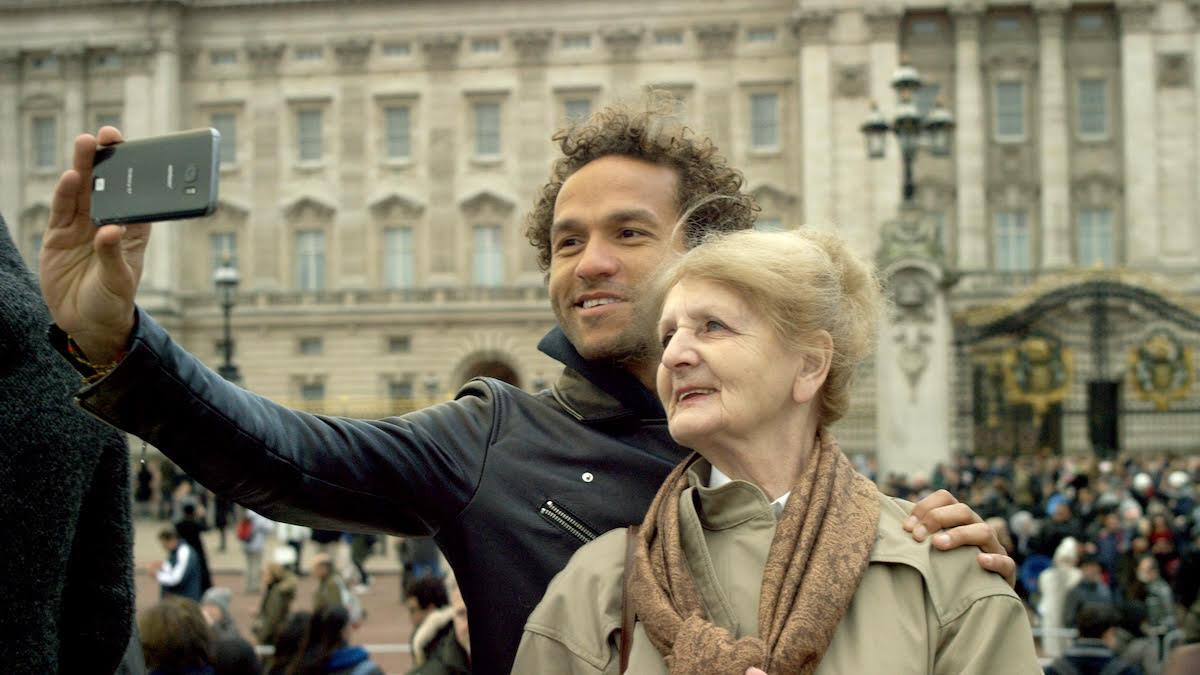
561	517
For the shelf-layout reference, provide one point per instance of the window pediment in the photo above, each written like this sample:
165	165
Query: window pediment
1095	189
395	206
487	202
768	194
310	208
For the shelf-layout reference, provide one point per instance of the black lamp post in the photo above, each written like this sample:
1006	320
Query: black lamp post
913	131
226	280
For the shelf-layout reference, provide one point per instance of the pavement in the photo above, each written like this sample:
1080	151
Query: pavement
385	632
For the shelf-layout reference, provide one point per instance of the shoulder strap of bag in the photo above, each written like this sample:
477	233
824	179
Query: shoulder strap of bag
628	616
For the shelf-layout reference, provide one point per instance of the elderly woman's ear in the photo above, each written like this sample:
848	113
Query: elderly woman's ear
813	368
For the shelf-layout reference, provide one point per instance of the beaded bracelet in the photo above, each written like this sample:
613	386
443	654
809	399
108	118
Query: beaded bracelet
98	371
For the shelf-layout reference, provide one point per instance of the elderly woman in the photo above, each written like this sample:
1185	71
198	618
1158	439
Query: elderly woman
766	549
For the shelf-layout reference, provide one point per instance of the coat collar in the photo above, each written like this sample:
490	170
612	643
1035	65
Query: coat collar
594	391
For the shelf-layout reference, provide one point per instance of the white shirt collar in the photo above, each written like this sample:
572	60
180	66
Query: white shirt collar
716	479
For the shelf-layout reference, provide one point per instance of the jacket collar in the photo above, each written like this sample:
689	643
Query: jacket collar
594	391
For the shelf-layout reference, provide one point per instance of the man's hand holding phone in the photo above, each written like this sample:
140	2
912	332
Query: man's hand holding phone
90	275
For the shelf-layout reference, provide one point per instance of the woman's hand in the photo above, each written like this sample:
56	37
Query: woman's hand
963	527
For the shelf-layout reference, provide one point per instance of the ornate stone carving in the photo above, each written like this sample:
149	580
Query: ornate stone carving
768	193
1051	7
717	39
486	202
1096	188
1174	70
967	8
396	206
1037	373
72	59
852	80
1161	369
884	21
310	208
531	45
623	41
1136	15
910	236
352	53
265	56
10	65
812	24
913	294
137	57
441	49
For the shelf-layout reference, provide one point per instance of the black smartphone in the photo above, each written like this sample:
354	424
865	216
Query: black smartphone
161	178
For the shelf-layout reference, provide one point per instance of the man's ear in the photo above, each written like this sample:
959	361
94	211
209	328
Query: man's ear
814	367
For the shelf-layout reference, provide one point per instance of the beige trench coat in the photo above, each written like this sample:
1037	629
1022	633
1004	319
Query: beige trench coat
916	610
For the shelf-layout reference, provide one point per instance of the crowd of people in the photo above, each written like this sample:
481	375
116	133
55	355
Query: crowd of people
192	630
1122	534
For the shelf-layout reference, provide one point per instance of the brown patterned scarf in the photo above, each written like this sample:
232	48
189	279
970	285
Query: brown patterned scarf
817	558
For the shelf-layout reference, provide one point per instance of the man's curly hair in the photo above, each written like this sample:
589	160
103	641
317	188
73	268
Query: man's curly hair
710	192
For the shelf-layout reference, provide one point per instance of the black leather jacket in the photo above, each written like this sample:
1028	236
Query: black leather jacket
509	483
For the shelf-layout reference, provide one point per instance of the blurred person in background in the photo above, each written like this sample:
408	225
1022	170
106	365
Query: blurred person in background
294	536
222	514
1093	651
281	585
167	471
326	648
143	493
1090	588
1053	585
189	527
286	647
419	557
231	653
176	640
179	574
432	616
329	591
260	528
452	656
361	547
1155	595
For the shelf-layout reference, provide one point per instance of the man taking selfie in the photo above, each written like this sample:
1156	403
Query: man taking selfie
509	483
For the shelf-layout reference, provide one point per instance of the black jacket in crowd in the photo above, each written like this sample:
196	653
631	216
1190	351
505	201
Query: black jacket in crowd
509	483
67	555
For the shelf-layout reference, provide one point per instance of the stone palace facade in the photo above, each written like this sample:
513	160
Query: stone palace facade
378	159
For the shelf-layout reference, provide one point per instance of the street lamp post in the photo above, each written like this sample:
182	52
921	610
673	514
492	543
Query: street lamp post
226	280
913	130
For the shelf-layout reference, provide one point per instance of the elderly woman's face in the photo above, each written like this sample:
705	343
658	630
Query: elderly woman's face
724	371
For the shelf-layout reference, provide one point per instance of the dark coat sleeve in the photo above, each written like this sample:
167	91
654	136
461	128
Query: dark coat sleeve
402	475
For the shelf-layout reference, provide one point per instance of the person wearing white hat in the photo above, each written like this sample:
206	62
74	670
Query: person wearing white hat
281	586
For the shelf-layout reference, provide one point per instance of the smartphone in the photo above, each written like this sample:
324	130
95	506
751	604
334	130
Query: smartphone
161	178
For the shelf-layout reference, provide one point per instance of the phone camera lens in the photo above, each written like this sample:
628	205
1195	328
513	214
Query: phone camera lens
190	173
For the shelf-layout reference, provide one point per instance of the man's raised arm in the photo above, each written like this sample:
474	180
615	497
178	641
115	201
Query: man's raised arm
407	475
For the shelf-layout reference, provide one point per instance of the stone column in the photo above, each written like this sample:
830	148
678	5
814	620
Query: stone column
719	89
138	115
912	365
351	226
73	59
970	137
535	120
1055	148
622	44
1140	128
886	173
11	162
816	104
441	53
265	112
